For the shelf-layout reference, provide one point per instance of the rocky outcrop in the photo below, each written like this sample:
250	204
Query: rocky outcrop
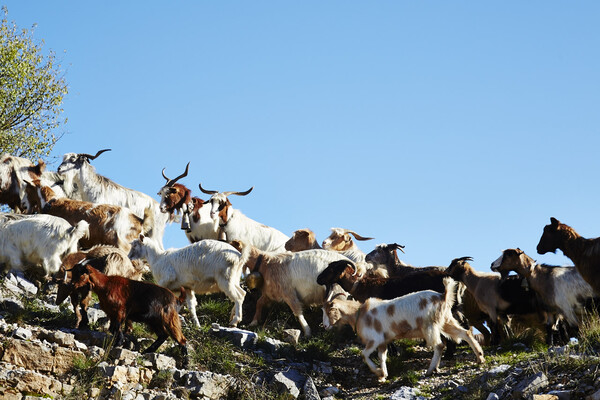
36	361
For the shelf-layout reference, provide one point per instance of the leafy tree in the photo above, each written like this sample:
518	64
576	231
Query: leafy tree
31	93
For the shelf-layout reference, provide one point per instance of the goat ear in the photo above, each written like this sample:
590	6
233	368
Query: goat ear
554	221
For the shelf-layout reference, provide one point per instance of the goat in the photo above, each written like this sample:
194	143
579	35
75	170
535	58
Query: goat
584	253
289	277
385	258
341	241
207	266
78	172
176	198
233	225
106	259
495	297
13	172
38	240
124	300
109	224
302	239
424	314
562	289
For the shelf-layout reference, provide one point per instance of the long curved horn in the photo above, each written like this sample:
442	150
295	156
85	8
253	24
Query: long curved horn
90	157
238	193
211	192
465	259
357	236
171	182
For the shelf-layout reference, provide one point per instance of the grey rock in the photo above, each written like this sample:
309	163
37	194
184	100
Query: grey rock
272	346
406	393
310	390
499	369
329	392
61	338
290	381
530	386
22	333
561	394
492	396
12	306
239	337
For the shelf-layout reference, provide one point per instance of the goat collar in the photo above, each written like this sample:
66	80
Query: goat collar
259	261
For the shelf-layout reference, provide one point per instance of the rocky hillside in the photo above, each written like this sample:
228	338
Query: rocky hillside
41	356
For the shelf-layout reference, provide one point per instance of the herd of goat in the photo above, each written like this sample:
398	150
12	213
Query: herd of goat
90	234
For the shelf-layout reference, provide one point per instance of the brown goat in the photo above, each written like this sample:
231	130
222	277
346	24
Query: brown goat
585	253
124	299
107	259
109	224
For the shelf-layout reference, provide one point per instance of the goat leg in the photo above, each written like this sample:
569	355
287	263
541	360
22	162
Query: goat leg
154	346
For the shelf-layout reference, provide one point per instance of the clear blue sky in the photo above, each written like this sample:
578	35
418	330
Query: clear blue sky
456	128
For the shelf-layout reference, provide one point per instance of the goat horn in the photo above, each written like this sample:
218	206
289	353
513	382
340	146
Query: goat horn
211	192
238	193
91	157
357	236
465	259
354	267
170	182
398	246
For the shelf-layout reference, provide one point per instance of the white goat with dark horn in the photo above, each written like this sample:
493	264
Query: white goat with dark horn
233	225
77	170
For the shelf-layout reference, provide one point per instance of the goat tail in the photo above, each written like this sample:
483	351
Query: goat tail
148	222
245	250
449	292
81	230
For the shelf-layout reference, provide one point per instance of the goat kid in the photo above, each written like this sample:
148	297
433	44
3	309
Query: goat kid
124	299
420	315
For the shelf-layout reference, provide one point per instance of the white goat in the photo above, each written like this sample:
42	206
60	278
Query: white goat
77	171
420	315
207	266
290	277
233	225
38	240
562	289
340	240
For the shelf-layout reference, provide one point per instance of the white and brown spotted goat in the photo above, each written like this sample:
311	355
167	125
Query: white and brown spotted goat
424	315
